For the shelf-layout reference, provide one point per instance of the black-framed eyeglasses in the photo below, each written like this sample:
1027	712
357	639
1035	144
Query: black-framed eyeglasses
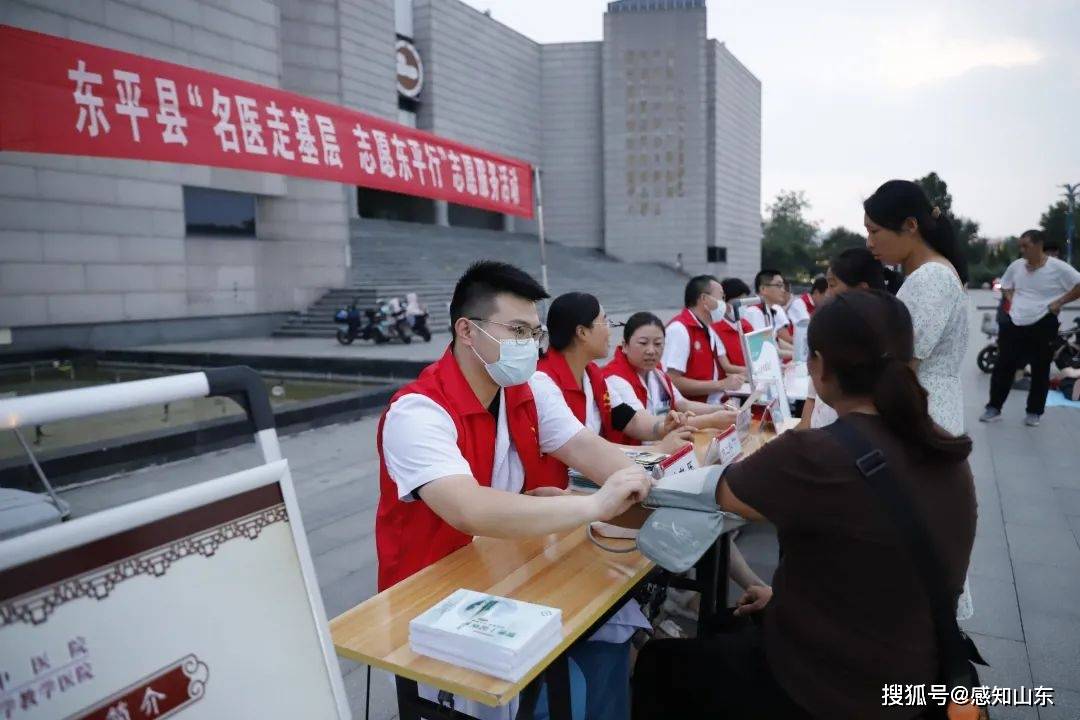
522	333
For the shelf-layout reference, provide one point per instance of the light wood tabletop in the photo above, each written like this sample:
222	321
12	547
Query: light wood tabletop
563	570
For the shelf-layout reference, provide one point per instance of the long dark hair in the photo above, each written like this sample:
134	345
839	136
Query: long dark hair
865	337
897	200
640	320
858	265
567	313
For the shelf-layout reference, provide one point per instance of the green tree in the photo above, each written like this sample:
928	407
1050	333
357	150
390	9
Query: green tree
937	191
1052	223
835	242
787	242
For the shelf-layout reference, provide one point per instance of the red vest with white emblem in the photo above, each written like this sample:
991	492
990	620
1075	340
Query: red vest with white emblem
620	367
554	364
703	358
409	536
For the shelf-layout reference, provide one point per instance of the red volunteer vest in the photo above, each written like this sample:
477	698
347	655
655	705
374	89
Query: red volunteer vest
620	367
702	359
554	364
808	301
729	335
409	536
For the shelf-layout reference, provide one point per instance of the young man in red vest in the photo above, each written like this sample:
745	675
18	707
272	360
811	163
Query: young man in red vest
694	357
771	288
462	449
802	307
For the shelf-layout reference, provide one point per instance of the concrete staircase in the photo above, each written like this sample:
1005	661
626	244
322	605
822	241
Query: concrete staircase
393	258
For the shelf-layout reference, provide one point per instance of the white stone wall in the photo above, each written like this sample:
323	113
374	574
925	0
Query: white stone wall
482	84
736	196
573	143
92	240
655	178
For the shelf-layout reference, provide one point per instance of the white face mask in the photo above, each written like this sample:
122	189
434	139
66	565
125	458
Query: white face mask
516	363
717	313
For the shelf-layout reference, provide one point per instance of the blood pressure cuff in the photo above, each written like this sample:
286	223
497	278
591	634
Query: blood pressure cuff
685	524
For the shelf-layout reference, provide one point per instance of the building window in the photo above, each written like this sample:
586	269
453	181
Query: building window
717	254
219	212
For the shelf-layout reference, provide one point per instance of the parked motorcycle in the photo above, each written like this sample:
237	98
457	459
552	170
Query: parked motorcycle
351	325
1066	346
988	356
397	319
417	315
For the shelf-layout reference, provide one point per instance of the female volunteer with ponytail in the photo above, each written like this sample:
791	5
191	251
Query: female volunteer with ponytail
579	334
850	613
636	377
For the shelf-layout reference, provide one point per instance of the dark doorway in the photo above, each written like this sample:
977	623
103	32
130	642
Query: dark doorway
464	216
386	205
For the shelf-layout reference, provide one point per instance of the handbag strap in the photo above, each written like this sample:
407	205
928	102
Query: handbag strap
955	650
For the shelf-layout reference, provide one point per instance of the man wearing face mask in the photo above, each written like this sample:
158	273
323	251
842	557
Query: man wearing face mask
462	447
694	357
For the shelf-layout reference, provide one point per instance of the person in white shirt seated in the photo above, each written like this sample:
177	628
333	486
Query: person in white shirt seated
694	356
770	287
478	444
579	334
636	377
852	269
799	308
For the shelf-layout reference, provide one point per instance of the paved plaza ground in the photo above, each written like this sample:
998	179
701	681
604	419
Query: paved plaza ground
1025	572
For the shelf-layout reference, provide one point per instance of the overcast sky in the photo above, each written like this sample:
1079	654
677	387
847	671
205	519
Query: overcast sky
985	92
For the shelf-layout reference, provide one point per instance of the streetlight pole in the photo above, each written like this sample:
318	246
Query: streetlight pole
1070	219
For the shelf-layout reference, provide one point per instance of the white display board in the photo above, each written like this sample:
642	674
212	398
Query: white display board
200	603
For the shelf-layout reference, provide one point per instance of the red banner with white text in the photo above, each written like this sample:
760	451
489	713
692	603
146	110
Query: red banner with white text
66	97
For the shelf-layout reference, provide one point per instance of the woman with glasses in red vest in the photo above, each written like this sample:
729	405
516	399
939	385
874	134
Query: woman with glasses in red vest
636	377
579	334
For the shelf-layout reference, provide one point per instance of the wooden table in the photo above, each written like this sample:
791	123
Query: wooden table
563	570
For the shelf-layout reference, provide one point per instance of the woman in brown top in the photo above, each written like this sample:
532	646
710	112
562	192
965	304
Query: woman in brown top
849	614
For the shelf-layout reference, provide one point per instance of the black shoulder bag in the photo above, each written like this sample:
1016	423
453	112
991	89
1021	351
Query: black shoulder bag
957	653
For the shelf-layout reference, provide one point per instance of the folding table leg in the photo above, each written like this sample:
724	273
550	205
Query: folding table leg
527	699
407	696
707	576
558	689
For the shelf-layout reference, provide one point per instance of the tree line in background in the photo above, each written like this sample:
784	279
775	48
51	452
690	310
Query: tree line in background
795	245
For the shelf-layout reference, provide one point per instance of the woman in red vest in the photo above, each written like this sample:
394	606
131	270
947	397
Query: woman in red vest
579	334
635	376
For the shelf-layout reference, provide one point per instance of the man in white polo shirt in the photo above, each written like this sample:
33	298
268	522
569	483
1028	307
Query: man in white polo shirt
1037	286
694	357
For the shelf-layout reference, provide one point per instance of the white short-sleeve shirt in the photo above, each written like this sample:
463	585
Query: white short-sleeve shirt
419	440
755	317
1034	290
797	311
592	411
656	395
822	414
677	348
